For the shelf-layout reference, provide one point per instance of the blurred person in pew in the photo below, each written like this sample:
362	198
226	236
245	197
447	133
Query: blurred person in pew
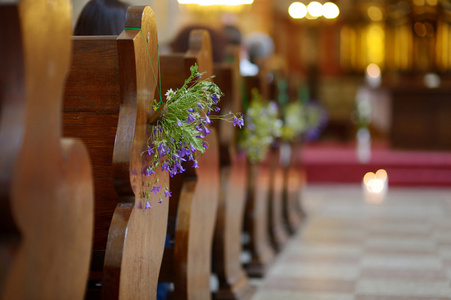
101	17
257	46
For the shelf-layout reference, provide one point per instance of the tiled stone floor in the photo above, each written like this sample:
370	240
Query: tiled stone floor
352	250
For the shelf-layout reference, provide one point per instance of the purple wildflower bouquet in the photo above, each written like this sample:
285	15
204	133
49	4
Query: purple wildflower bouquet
177	135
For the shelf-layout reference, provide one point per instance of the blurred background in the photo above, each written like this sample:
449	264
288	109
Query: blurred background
380	68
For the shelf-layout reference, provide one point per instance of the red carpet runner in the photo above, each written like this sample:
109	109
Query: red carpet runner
336	163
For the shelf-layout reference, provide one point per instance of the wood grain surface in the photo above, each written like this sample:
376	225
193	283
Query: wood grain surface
113	121
195	193
46	184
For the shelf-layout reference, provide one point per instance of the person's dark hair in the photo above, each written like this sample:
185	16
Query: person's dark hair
218	41
101	17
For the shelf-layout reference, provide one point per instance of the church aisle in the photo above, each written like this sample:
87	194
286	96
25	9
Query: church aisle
352	250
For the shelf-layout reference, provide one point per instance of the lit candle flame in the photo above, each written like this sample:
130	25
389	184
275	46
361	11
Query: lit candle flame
375	186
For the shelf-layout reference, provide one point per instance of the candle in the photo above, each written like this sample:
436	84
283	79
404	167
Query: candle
375	186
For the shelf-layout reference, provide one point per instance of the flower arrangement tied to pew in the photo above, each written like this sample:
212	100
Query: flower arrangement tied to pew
262	128
295	121
177	135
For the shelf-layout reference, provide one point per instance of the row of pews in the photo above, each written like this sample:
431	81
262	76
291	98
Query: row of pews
75	222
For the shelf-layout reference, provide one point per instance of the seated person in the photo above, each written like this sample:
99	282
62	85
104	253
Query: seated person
101	17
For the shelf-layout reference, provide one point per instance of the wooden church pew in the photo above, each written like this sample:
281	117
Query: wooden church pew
294	172
46	189
279	232
108	94
285	209
276	225
256	220
233	280
294	181
192	213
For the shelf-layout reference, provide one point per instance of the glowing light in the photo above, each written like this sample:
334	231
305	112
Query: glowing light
375	39
432	80
368	176
315	9
373	75
373	71
297	10
375	186
381	174
216	2
374	13
330	10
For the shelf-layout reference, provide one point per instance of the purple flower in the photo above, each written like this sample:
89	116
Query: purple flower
206	131
200	136
191	109
161	201
164	166
214	97
207	120
200	105
193	149
184	152
190	118
204	144
208	113
161	150
179	123
148	206
239	122
167	193
235	121
195	165
155	189
179	166
217	109
150	150
173	171
273	106
149	172
191	158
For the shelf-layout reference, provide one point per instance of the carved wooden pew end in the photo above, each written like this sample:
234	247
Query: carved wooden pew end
107	96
